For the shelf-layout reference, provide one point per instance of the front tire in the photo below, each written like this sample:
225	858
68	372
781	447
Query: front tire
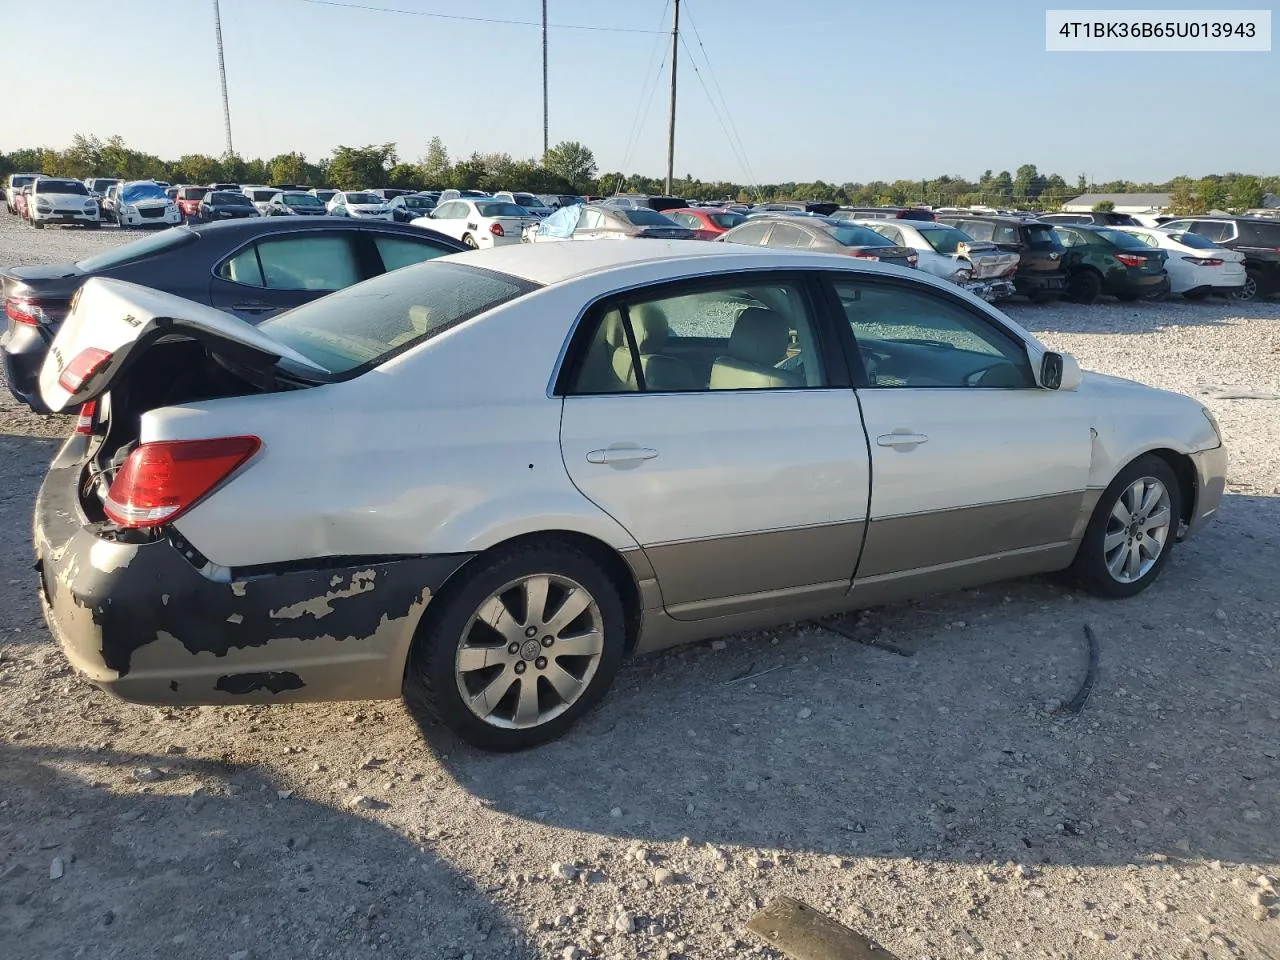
1084	286
514	653
1131	534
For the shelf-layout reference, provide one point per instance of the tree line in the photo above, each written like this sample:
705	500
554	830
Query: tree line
570	167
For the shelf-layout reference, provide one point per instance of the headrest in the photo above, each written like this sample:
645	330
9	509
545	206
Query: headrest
759	337
650	326
611	330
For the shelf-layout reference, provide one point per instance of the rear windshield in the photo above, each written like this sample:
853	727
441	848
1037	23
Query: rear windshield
301	200
726	221
1260	234
325	194
1124	241
852	235
1121	220
193	193
642	217
527	200
500	209
47	185
148	246
943	239
364	198
21	180
263	195
368	323
419	203
1194	240
229	200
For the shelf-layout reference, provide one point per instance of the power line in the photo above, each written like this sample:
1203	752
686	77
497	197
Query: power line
720	120
742	149
643	105
458	16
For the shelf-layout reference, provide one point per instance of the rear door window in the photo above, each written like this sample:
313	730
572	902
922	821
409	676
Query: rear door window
1215	230
310	262
397	252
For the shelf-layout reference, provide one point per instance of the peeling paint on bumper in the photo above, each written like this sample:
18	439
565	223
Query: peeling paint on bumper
141	622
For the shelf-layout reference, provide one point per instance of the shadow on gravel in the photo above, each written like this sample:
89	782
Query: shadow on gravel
233	868
1141	316
802	740
25	461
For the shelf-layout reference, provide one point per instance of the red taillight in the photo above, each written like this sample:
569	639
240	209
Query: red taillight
159	481
82	368
1131	259
84	422
1205	261
34	312
496	230
863	255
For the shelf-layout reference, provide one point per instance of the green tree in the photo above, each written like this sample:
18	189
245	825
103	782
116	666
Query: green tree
1211	193
1246	193
435	164
1103	206
573	162
1028	183
288	168
200	168
405	176
1183	200
355	168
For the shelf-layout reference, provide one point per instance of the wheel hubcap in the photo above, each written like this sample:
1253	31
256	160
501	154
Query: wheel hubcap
530	651
1137	530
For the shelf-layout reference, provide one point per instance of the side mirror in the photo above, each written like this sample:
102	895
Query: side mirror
1059	371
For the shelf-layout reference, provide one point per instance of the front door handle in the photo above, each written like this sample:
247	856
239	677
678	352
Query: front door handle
902	440
621	455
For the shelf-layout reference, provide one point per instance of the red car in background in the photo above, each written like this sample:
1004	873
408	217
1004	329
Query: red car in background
707	222
188	199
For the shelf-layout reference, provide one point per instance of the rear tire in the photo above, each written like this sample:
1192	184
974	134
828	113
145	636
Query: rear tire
472	677
470	241
1252	289
1084	286
1120	558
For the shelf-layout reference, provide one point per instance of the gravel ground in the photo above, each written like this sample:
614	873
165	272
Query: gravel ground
938	802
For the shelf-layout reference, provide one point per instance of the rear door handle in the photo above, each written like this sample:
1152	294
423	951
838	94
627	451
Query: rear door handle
253	307
621	455
902	439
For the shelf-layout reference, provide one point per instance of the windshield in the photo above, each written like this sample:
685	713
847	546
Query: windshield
943	239
325	194
301	200
21	180
229	200
527	200
48	185
643	217
726	221
1124	241
364	198
419	203
142	191
852	235
500	209
261	196
148	246
193	193
370	322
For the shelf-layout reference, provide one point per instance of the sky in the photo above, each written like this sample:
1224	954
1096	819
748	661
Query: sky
838	90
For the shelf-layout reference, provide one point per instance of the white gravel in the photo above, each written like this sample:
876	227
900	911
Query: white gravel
934	802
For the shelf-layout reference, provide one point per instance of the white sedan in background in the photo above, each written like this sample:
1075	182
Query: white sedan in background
357	203
479	222
979	266
1197	267
541	459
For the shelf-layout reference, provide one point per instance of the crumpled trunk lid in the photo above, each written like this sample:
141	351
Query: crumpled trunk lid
988	260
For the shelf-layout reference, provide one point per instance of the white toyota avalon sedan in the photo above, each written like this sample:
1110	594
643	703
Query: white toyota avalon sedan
484	481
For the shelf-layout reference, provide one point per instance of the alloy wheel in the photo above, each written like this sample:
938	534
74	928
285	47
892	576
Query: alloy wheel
1137	530
1249	291
530	651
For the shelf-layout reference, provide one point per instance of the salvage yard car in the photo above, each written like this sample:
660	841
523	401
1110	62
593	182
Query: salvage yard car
1102	260
1040	275
143	203
526	474
249	268
59	200
820	233
1258	238
983	269
1197	267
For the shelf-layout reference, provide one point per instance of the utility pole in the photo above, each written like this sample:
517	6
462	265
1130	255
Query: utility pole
546	141
671	129
222	70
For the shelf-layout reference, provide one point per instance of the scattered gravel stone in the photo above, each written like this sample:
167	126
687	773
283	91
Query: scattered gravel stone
625	922
366	803
56	868
564	871
804	713
147	774
662	877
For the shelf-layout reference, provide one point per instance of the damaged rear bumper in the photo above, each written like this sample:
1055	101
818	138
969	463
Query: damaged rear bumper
142	622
